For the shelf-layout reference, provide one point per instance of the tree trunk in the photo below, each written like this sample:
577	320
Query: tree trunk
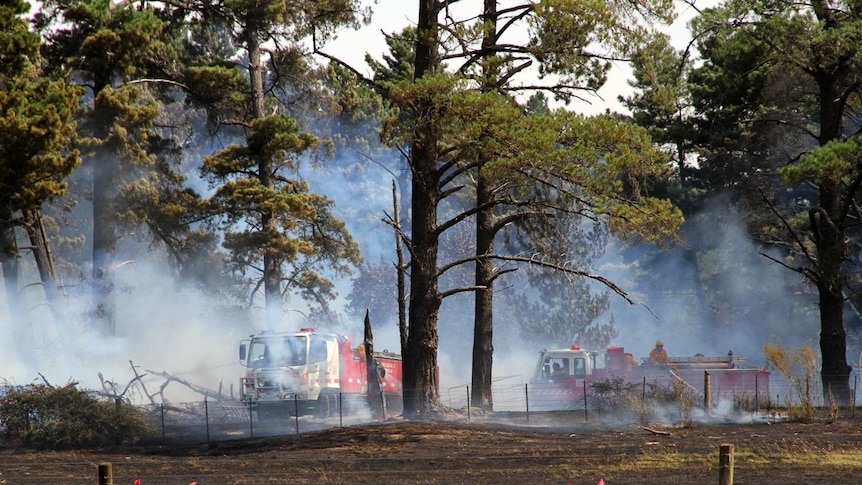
829	232
271	262
45	264
372	373
483	325
421	387
829	238
104	242
21	335
10	266
400	271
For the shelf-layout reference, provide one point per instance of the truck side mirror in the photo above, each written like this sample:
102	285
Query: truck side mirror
241	352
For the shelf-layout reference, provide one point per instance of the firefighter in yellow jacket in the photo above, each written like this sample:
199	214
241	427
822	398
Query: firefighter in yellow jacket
658	355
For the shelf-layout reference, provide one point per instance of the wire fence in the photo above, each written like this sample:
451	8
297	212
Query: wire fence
222	420
512	394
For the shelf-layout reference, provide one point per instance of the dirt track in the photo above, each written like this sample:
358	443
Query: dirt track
550	449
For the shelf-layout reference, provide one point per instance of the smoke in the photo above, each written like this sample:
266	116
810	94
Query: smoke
713	294
162	326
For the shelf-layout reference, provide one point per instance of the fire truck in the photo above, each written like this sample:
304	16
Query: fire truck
310	373
563	377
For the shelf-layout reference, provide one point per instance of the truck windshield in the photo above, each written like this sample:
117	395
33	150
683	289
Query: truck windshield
278	351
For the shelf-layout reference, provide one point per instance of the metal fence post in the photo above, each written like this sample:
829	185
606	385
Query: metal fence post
586	413
207	418
163	421
296	411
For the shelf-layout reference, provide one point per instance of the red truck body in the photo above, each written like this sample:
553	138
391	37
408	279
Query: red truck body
728	378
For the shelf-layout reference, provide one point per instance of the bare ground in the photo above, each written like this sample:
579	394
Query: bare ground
550	448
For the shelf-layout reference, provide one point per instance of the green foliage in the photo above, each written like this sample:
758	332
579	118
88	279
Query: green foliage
90	38
18	46
36	124
836	159
306	237
61	418
564	31
397	65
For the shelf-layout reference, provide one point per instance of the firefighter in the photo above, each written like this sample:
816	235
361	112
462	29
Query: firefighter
630	361
658	355
559	374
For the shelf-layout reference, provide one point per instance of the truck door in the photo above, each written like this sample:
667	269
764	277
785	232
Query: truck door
317	363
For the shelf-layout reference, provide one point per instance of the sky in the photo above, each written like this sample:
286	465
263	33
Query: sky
393	15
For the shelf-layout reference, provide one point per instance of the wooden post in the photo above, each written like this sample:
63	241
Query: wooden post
586	416
106	474
725	464
707	393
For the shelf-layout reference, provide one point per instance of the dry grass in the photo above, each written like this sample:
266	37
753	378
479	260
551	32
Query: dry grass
555	448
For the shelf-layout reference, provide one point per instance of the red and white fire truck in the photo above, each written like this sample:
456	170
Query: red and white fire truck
304	372
563	376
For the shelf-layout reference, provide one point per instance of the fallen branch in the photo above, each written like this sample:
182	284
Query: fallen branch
656	431
198	389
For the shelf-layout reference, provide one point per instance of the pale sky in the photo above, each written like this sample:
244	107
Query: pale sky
393	15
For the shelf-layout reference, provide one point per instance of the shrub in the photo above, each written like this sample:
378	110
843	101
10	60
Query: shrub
799	367
46	417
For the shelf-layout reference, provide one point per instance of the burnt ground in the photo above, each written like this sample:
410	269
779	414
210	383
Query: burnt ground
552	448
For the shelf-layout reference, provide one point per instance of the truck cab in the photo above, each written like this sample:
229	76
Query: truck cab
289	369
564	366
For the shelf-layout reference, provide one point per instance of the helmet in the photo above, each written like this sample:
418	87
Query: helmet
659	343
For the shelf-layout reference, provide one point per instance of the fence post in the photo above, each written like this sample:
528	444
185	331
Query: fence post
163	421
756	397
250	421
707	393
106	474
207	418
340	412
586	415
296	411
725	464
468	402
527	400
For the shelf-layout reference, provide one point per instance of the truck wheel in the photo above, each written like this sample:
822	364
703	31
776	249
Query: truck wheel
267	413
324	404
327	404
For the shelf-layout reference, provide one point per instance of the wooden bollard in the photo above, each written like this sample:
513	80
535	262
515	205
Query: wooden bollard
707	394
725	464
106	474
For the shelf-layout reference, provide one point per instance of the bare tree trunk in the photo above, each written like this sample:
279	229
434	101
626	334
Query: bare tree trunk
45	264
400	268
375	398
